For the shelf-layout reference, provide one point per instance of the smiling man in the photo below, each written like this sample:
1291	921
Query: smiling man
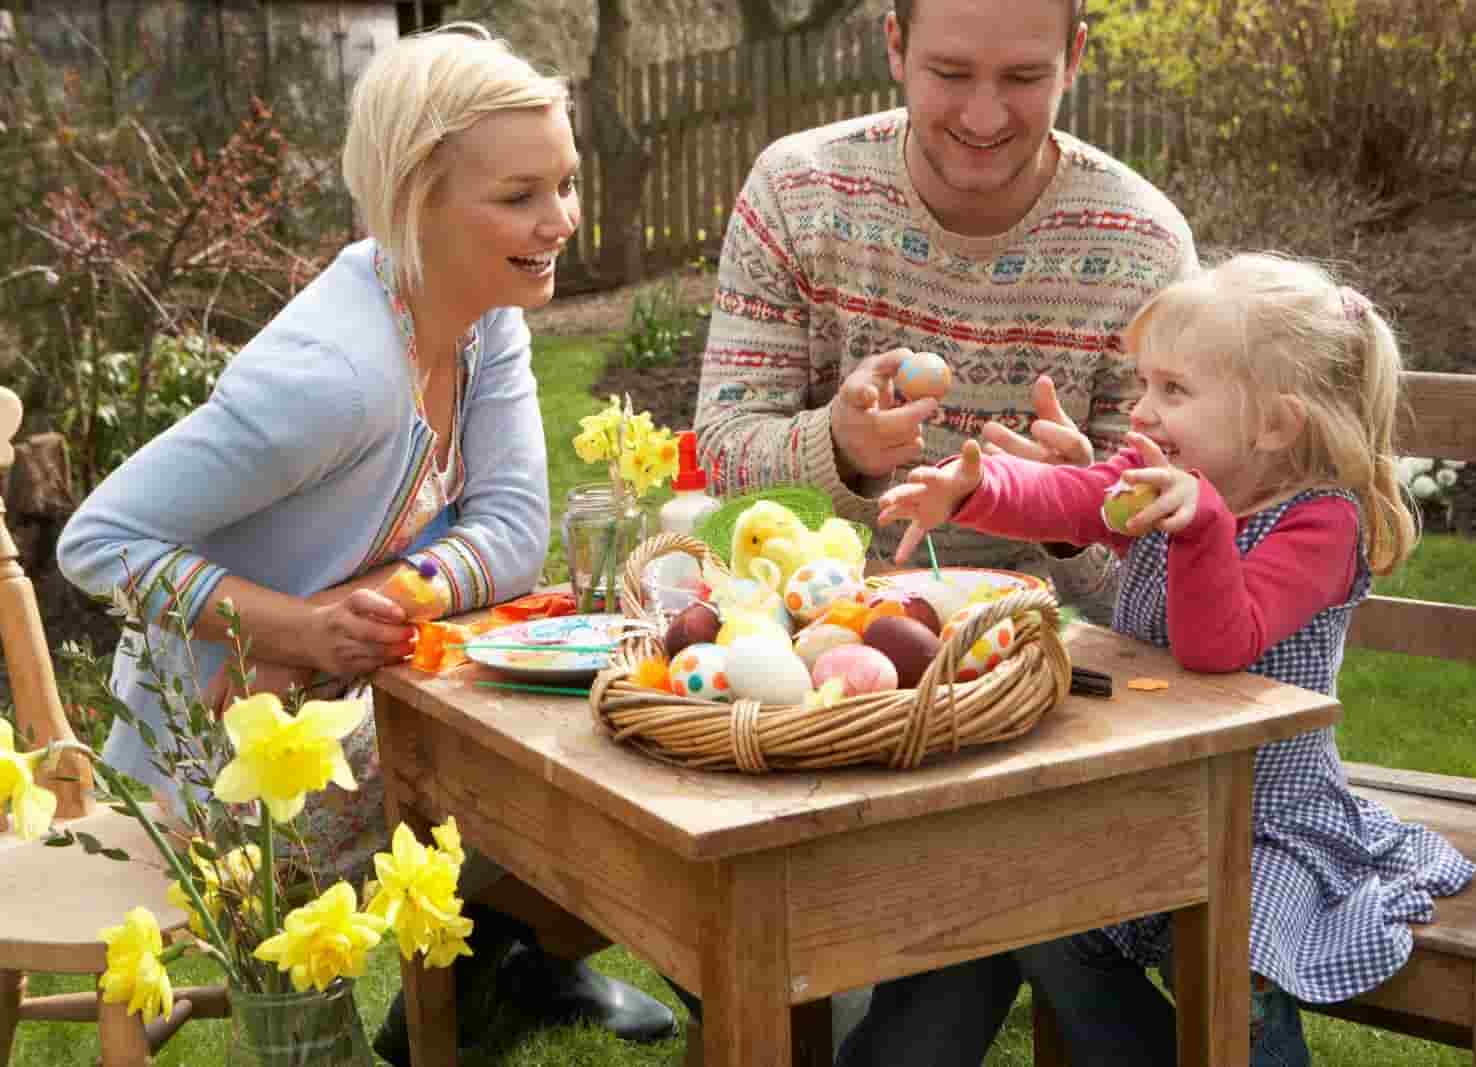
963	224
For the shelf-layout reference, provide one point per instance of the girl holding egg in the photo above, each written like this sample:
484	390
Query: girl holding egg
1264	430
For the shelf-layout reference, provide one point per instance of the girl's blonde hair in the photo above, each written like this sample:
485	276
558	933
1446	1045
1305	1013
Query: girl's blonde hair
410	99
1285	327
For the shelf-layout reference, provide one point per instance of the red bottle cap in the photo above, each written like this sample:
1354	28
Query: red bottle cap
690	474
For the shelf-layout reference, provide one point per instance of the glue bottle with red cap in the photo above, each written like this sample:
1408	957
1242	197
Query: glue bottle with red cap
690	503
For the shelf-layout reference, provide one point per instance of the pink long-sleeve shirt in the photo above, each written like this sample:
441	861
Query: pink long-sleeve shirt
1224	609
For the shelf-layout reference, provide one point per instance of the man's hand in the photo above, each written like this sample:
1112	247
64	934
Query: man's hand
872	433
930	496
1053	438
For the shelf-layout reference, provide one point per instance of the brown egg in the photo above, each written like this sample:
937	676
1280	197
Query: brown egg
901	602
909	644
695	624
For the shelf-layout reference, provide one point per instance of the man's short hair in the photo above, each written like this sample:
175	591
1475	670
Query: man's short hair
903	10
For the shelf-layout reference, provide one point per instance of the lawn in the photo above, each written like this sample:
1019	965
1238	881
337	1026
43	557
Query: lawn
1407	713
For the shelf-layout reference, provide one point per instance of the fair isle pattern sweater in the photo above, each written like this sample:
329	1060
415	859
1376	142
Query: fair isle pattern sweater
830	256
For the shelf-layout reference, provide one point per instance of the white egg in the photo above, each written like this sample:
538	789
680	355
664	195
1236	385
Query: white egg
767	671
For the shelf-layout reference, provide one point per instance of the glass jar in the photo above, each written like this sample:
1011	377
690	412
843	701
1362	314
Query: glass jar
308	1029
597	542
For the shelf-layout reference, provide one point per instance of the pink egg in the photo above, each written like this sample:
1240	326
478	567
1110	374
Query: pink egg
860	668
923	374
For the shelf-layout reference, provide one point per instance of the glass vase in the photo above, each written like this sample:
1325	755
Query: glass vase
597	542
308	1029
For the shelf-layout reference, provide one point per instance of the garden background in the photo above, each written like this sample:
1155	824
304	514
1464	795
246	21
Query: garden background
152	240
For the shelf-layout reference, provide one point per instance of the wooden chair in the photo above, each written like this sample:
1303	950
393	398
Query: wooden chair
53	901
1433	996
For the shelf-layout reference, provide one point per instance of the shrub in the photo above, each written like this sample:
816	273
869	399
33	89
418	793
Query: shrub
1375	91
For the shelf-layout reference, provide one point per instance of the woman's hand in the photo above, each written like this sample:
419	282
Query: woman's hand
1053	438
1178	490
357	633
930	496
269	677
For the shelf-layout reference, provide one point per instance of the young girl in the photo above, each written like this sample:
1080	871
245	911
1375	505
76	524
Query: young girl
1265	425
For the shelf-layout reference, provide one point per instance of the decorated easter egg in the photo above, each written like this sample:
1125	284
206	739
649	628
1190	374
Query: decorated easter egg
694	625
815	586
894	601
944	596
701	671
750	624
909	644
1123	501
861	669
814	641
923	374
987	651
767	671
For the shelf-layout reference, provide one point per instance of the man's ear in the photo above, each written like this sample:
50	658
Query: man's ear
1285	420
895	50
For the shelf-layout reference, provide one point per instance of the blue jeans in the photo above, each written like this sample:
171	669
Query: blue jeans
1109	1013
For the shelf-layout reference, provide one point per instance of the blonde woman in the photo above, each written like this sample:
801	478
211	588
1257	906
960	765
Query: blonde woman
387	417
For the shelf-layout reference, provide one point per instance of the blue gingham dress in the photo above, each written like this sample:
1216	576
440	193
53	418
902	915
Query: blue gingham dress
1335	879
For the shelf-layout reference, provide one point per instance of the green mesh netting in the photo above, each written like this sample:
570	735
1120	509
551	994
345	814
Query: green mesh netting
813	506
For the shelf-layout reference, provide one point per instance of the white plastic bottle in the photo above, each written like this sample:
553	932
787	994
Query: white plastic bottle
683	511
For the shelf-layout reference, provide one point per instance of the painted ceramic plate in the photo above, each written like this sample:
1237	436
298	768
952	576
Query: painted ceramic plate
560	657
972	582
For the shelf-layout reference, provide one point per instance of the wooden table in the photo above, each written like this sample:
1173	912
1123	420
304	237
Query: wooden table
765	895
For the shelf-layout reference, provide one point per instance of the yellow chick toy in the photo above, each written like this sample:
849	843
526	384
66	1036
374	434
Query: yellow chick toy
770	531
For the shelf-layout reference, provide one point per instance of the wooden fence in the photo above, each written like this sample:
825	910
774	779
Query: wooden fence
703	119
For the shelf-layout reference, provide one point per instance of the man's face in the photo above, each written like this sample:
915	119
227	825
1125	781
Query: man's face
983	81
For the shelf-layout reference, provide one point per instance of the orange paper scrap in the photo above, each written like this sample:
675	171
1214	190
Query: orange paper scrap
434	640
1147	685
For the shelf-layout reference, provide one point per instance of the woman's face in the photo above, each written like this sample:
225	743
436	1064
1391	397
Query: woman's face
500	215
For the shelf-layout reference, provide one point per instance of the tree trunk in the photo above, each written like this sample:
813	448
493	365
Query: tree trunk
622	231
761	20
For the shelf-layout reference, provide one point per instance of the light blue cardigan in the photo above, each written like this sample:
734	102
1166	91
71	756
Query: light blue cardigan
297	471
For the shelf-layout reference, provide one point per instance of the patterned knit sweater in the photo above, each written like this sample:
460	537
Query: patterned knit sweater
830	256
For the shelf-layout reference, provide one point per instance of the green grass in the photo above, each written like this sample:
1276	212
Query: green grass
1399	712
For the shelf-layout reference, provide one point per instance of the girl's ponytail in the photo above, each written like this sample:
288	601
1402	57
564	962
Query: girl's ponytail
1392	526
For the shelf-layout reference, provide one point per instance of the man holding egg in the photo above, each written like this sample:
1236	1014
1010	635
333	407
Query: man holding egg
895	284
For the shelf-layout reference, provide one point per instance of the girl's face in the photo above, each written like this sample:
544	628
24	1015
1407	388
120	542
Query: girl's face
1198	417
500	215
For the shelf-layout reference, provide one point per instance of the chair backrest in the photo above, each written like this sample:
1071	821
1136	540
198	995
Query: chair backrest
1439	421
38	706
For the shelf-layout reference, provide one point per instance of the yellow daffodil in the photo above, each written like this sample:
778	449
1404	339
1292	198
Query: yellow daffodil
31	805
416	890
135	972
229	877
281	758
448	942
324	941
830	693
448	840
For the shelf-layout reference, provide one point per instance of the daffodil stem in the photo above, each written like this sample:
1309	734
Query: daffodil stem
170	857
268	869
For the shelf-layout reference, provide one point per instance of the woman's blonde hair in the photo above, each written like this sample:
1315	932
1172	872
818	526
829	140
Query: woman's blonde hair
409	100
1285	327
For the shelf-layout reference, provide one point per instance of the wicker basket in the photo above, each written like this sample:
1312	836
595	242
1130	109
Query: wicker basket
900	728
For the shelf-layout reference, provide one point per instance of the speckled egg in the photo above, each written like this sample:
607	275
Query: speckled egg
814	641
923	374
861	669
701	671
767	671
816	586
988	650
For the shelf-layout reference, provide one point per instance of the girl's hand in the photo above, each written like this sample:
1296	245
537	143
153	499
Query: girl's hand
1178	490
1053	438
930	496
358	633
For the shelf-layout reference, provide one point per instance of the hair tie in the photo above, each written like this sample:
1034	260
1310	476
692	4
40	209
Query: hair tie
1355	304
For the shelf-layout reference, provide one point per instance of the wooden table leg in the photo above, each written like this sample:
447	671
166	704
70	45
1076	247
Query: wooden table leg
430	993
745	966
1212	940
810	1034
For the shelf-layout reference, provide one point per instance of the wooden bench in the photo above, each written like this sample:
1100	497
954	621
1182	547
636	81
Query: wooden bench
1434	995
